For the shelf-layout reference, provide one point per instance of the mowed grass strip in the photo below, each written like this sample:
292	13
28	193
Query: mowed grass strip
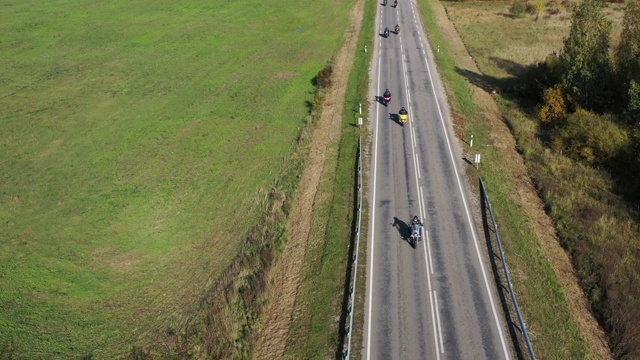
551	326
138	141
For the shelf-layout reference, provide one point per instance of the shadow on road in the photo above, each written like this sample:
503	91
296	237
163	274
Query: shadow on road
380	99
402	228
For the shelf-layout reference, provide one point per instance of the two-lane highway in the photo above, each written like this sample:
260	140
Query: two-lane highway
434	301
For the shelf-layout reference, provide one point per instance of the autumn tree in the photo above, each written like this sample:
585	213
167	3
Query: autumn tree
554	109
587	67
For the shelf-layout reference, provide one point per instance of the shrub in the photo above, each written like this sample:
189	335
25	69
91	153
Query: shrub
537	8
554	109
323	79
591	138
538	77
530	9
518	8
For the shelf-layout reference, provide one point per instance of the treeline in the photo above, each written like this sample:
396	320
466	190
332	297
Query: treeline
588	100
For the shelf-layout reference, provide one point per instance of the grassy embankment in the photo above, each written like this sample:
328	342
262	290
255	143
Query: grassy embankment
553	330
595	224
319	320
140	142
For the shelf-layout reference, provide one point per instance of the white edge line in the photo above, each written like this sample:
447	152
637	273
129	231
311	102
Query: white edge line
435	296
372	226
435	329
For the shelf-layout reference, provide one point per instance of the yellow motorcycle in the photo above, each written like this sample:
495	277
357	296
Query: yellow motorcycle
403	114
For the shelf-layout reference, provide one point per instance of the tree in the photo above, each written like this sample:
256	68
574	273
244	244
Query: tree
628	60
587	67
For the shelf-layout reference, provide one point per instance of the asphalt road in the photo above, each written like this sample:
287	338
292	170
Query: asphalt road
436	301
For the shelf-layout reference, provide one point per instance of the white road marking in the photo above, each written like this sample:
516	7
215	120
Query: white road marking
435	296
428	243
435	329
373	217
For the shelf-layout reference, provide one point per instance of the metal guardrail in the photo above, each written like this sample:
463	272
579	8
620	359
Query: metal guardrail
352	297
523	326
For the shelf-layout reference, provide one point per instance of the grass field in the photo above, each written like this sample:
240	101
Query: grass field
138	142
500	52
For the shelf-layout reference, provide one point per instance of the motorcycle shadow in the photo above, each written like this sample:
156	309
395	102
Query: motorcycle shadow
403	229
380	99
395	118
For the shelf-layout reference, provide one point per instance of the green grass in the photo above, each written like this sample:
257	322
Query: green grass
552	328
138	142
315	332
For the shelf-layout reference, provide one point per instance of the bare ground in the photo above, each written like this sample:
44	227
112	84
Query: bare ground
285	276
503	140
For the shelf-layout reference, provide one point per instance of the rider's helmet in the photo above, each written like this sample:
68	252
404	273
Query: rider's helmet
415	219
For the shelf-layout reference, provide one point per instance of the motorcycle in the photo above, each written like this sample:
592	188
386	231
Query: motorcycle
416	234
386	98
403	114
386	33
397	29
384	2
395	3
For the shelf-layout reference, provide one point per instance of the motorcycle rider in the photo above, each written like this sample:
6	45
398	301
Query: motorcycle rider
386	97
403	111
395	3
416	228
397	28
386	32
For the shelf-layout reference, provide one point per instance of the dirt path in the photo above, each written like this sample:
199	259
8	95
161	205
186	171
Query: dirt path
285	279
543	226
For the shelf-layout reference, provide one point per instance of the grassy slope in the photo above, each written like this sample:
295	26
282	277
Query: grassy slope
315	332
136	140
549	321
